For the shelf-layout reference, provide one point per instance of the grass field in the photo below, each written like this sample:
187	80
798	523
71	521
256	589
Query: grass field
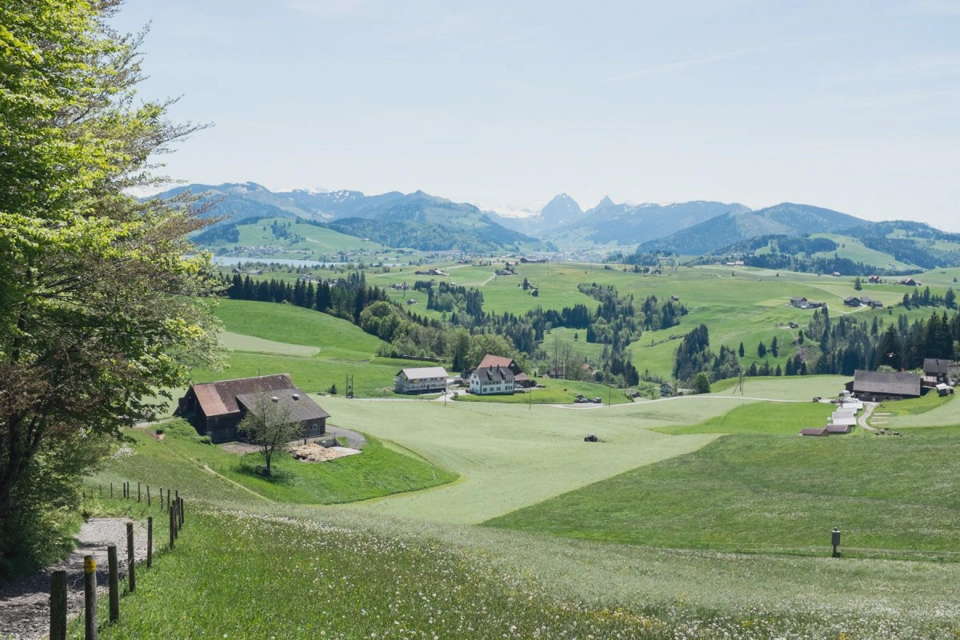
376	472
774	494
762	417
556	392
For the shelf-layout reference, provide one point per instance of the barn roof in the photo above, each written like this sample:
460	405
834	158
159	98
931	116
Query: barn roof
301	406
220	398
838	428
494	374
887	383
420	373
937	366
814	431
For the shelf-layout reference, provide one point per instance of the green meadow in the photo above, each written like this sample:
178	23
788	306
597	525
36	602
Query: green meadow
695	517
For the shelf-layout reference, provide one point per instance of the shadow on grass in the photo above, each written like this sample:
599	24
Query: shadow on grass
277	476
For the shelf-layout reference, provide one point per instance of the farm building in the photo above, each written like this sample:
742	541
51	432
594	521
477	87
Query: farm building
944	389
838	428
216	408
936	370
420	380
491	381
852	301
814	431
881	385
800	303
519	377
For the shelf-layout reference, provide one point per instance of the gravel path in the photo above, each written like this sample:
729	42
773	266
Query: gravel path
25	604
868	408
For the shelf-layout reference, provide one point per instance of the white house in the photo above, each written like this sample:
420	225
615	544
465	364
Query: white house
420	380
492	380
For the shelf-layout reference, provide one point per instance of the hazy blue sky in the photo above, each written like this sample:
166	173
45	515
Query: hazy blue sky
853	106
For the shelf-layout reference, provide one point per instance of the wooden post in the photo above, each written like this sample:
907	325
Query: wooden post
114	583
101	490
138	492
58	605
111	489
161	497
89	598
148	496
149	538
173	527
131	559
180	510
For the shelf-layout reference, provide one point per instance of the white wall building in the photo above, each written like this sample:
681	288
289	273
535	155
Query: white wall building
420	380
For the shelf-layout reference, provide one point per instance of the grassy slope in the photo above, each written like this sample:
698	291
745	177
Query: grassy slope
557	392
180	461
763	417
316	239
773	494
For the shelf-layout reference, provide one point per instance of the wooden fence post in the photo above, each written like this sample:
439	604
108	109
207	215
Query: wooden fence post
58	605
173	526
89	598
138	492
111	489
114	582
180	511
148	496
131	559
149	541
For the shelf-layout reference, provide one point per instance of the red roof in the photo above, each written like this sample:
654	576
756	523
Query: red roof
495	361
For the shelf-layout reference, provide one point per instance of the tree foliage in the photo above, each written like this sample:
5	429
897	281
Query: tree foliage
269	425
98	307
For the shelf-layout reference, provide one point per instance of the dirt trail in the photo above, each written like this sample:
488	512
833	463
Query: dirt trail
25	604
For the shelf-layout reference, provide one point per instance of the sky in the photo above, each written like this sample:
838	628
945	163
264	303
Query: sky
849	105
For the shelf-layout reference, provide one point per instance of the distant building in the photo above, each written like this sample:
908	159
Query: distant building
814	431
936	370
519	377
878	386
837	429
910	282
852	301
492	380
420	380
216	408
799	303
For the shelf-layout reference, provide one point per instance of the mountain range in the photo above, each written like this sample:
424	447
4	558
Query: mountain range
425	222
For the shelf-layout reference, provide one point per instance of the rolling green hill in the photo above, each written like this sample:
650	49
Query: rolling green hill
724	230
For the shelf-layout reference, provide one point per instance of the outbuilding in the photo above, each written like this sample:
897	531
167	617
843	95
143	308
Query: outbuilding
878	386
420	380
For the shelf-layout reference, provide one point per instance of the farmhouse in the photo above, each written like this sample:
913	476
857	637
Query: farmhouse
519	377
216	408
799	303
852	301
880	385
936	370
492	380
420	380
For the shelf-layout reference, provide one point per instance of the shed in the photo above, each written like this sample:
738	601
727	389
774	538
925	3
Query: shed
936	369
838	428
814	431
420	380
850	421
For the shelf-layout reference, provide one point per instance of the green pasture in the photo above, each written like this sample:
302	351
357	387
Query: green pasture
774	494
556	391
771	418
371	378
854	249
927	411
286	323
510	456
240	342
315	239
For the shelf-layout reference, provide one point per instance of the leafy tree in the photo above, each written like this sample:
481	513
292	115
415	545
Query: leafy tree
98	306
701	383
269	425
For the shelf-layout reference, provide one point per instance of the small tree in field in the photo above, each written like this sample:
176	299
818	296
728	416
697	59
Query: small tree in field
269	425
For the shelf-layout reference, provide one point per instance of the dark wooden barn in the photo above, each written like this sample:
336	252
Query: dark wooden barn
877	386
216	408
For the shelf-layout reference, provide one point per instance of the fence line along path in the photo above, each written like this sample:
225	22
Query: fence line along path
25	604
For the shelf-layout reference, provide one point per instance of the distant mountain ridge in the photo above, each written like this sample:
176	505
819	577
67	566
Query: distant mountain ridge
416	221
786	219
